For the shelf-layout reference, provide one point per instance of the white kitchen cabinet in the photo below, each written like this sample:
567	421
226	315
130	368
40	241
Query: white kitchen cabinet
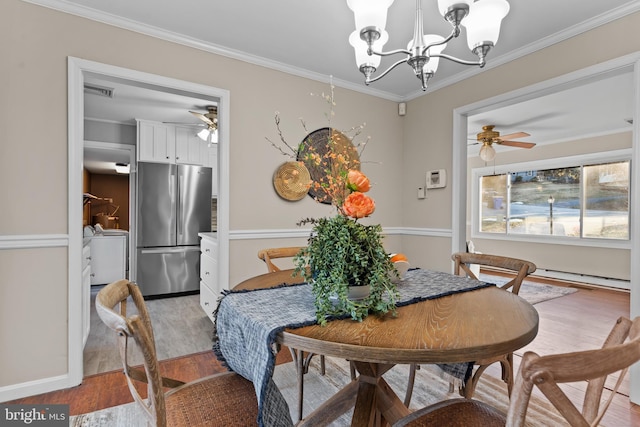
86	291
189	146
156	142
209	288
162	143
108	259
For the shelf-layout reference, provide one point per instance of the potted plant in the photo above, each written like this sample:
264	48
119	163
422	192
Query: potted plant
343	255
348	266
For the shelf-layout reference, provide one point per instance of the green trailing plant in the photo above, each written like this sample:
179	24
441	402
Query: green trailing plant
341	253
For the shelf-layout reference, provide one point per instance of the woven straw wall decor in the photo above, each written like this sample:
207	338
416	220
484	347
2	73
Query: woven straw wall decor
292	181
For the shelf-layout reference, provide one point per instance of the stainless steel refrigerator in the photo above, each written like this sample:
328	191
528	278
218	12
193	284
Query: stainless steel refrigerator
174	205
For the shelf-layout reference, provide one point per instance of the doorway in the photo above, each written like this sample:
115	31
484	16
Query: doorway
460	135
79	72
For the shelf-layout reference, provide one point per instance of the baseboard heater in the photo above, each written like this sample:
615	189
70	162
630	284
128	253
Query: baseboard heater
584	278
587	279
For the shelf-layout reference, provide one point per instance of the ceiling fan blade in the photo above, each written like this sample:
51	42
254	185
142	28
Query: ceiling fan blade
514	135
202	117
520	144
185	124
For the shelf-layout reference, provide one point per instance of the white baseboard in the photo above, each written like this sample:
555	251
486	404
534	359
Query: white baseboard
32	388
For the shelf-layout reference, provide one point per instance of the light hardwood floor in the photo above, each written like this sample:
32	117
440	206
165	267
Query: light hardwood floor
578	321
180	327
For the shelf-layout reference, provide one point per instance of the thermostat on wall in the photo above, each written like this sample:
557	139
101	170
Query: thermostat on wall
437	178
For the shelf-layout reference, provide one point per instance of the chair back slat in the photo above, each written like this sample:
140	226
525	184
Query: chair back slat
621	349
273	253
137	327
521	268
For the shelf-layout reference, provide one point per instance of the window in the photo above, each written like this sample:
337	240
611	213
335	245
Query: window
586	200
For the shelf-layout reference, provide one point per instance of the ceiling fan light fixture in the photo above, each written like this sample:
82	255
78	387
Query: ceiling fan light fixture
208	135
204	134
487	152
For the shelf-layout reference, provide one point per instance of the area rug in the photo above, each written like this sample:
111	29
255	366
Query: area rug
429	388
532	292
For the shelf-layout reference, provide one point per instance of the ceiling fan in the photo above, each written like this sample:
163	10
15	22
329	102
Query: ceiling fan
488	136
210	119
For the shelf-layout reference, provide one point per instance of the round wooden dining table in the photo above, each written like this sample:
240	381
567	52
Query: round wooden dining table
462	327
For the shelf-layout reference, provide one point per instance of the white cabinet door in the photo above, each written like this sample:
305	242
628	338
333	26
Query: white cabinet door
156	142
188	146
208	300
209	289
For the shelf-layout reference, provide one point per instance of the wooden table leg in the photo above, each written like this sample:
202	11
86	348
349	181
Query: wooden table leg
377	404
330	410
373	400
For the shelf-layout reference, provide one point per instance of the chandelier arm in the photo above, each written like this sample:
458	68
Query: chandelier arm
387	70
458	60
454	33
391	52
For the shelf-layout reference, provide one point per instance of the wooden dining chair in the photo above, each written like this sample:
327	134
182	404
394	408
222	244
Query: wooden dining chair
463	262
223	399
273	253
546	373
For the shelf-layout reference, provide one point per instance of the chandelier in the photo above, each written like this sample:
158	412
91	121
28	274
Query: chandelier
480	18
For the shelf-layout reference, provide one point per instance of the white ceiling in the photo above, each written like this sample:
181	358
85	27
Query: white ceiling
309	38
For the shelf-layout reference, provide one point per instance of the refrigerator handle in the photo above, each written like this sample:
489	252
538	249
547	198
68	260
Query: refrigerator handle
179	204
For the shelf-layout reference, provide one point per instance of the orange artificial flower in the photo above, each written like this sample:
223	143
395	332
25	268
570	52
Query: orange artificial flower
358	205
399	257
357	181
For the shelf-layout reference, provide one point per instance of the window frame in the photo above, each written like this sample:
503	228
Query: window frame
555	163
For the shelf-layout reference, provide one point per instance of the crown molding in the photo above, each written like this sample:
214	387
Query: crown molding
117	21
543	43
138	27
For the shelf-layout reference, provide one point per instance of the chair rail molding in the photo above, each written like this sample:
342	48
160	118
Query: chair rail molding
33	241
285	233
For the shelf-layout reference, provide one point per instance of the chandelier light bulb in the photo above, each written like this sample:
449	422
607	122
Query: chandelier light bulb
483	22
487	153
432	65
360	47
444	5
369	13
